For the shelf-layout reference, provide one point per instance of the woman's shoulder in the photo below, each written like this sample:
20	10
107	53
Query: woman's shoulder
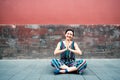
60	42
74	42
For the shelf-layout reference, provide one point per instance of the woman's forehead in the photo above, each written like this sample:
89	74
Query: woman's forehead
70	32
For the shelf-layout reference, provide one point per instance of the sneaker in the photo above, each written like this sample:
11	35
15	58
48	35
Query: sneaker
56	71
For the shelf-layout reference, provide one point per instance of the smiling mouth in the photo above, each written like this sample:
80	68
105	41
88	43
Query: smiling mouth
69	37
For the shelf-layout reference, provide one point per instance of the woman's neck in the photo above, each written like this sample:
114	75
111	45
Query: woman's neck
67	41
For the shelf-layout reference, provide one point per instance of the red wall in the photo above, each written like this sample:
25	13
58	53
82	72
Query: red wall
59	11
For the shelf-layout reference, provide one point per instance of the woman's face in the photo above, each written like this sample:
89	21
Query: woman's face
69	35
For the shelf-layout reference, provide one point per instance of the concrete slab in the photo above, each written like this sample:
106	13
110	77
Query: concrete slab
40	69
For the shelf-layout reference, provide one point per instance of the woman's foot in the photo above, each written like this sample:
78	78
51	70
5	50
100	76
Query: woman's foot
57	71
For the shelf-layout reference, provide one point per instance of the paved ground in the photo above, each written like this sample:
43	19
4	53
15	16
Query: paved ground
98	69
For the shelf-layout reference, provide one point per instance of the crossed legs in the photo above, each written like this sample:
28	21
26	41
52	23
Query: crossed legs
62	68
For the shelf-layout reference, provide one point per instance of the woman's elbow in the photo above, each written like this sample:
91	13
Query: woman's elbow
55	53
80	53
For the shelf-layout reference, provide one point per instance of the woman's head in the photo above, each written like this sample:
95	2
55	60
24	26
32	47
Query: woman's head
69	33
70	30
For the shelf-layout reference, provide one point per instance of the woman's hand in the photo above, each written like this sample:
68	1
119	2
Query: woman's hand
69	48
77	49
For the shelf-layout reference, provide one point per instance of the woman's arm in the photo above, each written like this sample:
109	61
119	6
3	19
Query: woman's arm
57	50
77	49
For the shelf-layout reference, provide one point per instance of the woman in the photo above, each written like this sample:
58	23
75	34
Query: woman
67	50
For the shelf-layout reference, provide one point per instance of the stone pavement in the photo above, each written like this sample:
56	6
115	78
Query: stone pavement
40	69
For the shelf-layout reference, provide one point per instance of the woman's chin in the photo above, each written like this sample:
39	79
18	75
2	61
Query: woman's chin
68	39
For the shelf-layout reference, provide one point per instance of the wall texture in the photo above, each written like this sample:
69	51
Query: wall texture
39	41
59	12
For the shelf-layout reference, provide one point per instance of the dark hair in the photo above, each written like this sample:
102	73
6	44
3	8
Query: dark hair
69	30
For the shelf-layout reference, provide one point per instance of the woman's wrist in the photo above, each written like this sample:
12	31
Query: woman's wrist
63	50
71	50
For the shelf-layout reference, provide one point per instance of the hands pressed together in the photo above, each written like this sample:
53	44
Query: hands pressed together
68	47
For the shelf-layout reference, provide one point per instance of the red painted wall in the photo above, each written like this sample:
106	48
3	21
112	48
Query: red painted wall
59	11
